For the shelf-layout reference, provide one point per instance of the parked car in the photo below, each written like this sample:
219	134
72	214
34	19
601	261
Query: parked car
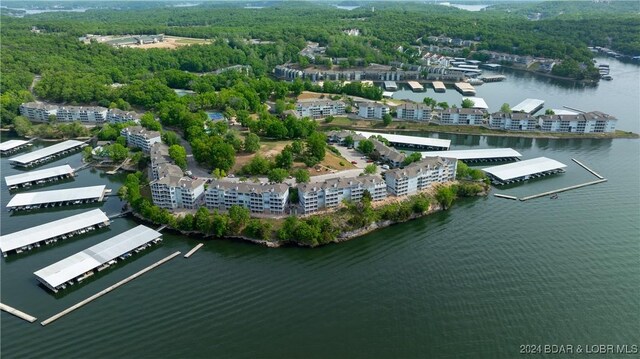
385	167
354	162
369	161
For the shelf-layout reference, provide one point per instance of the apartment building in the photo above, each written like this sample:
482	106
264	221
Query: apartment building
37	112
319	109
372	110
340	136
461	116
387	154
420	175
138	136
590	122
159	155
88	114
173	190
118	116
331	193
414	112
258	198
512	121
40	112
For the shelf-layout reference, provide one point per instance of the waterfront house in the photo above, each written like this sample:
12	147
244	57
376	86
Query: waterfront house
330	193
420	175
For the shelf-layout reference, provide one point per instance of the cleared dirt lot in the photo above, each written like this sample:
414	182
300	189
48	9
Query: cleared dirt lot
173	42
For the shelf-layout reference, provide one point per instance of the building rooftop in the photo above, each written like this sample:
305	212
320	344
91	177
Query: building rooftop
476	154
244	187
513	115
40	105
410	140
60	195
53	229
340	183
45	152
372	104
463	111
588	116
413	169
82	262
316	102
524	168
38	175
529	105
414	106
478	102
141	131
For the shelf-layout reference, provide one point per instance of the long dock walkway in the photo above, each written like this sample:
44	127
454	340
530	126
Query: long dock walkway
193	250
587	168
17	313
108	289
505	196
563	189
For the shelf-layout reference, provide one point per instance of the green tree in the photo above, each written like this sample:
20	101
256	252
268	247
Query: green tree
505	108
238	218
218	173
549	112
149	122
117	152
277	175
257	166
370	169
201	220
430	102
87	154
179	156
219	224
316	145
252	143
170	138
443	105
302	176
348	141
22	126
280	106
414	157
284	159
387	119
445	196
259	229
467	103
366	146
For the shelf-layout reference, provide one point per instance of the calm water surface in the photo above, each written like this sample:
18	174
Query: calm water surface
476	281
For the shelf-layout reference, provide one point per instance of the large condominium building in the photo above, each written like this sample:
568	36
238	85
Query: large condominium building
174	190
372	109
118	116
38	112
319	109
461	116
420	175
388	154
512	121
414	111
159	155
89	114
138	136
340	136
590	122
258	198
329	194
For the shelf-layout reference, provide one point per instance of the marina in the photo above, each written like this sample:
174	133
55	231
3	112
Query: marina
46	154
438	86
479	155
20	314
46	175
108	289
82	265
12	146
193	250
51	232
465	88
529	106
524	170
415	86
411	141
55	198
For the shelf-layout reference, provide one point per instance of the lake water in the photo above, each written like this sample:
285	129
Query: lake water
620	97
476	281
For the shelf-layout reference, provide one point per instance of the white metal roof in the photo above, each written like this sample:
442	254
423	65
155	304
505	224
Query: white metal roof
73	266
524	168
475	154
528	105
38	175
52	229
563	112
7	145
387	94
47	151
69	194
478	102
415	140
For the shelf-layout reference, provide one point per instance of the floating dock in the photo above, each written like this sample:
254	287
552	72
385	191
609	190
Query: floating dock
528	106
46	175
438	86
46	154
18	242
478	103
505	196
17	313
562	189
79	266
12	146
415	86
387	94
587	168
524	170
496	78
411	141
491	66
390	86
108	289
479	155
193	250
62	197
465	88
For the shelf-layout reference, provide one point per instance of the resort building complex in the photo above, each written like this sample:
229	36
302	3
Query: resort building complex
319	109
170	188
330	193
257	197
372	110
138	136
512	121
40	112
414	111
590	122
420	175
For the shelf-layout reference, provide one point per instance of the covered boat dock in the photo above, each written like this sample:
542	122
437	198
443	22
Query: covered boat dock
426	143
438	86
478	103
11	146
46	154
415	86
524	170
479	155
390	86
18	242
82	265
528	106
38	177
465	88
55	198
